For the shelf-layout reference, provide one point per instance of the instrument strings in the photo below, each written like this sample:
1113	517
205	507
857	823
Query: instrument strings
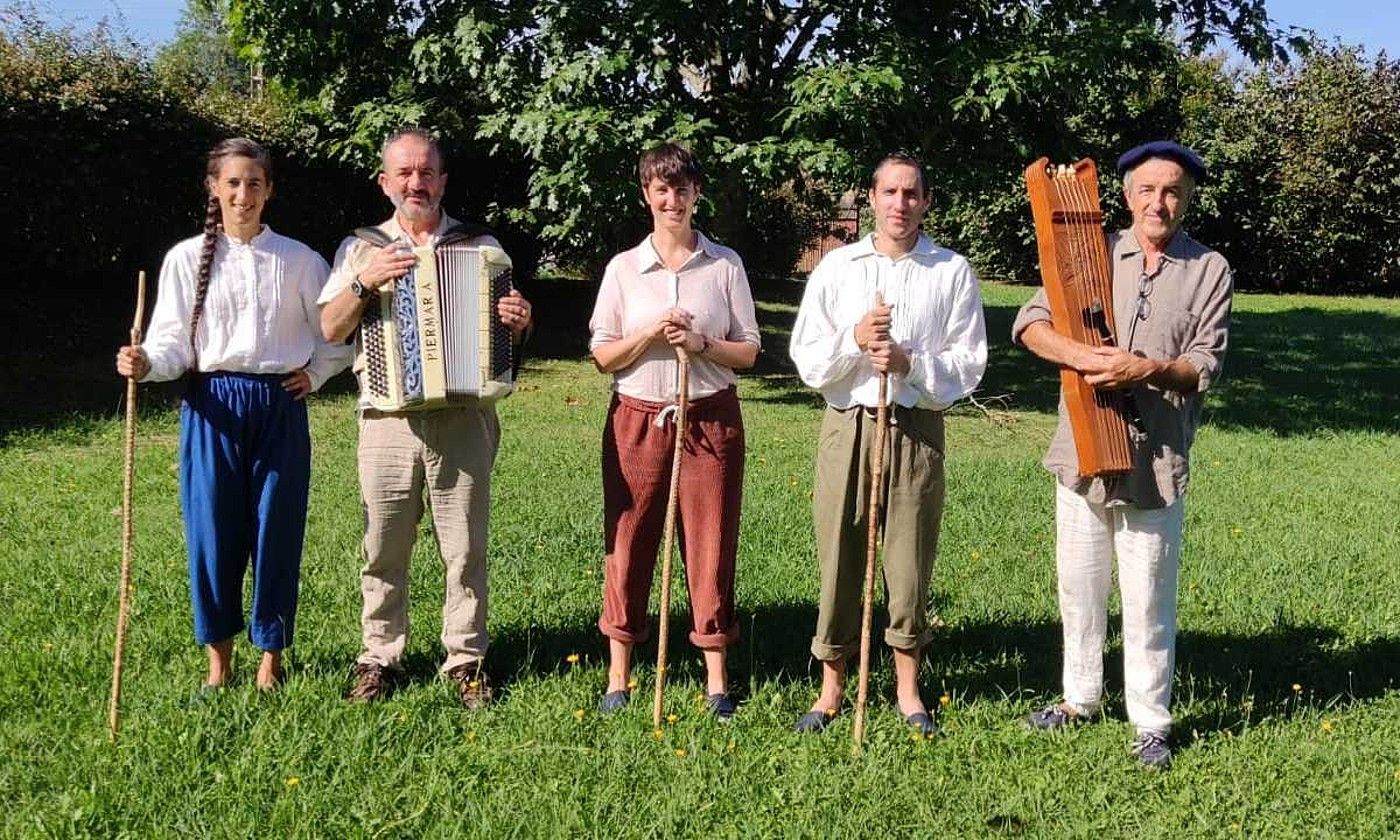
1090	282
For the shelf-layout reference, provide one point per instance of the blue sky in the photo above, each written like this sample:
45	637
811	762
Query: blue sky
1373	23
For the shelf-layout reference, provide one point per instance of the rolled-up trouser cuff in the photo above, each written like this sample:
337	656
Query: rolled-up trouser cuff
827	652
904	641
618	634
716	641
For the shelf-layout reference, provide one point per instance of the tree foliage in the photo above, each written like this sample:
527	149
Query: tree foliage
546	103
1308	176
104	159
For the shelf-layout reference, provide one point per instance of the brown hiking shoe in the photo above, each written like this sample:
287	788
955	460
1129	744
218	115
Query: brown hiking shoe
473	687
369	682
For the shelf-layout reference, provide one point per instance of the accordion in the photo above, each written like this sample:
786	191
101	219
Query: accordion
1079	288
432	338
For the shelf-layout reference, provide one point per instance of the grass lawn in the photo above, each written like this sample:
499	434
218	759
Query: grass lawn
1286	701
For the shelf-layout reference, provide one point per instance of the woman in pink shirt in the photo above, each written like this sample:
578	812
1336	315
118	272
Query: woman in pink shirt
674	292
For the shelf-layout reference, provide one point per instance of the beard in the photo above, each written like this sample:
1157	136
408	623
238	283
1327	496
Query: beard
415	212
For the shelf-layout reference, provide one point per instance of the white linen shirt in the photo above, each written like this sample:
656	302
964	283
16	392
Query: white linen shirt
936	317
260	313
637	289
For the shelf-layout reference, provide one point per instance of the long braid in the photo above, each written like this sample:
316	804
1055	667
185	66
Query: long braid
213	218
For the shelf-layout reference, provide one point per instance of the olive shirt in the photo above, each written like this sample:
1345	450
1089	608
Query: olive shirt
1180	312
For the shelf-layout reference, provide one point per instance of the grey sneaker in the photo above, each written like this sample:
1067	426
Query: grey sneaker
722	706
614	701
1152	750
1053	718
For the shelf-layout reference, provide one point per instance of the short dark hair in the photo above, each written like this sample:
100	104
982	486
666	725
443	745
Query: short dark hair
413	131
671	162
902	159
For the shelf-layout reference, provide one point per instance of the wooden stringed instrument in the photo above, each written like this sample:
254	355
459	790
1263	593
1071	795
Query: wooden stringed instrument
1078	279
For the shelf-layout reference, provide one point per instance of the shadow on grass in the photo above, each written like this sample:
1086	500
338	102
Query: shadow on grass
1224	681
1290	372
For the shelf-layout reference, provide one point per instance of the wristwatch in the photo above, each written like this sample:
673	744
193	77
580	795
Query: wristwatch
359	289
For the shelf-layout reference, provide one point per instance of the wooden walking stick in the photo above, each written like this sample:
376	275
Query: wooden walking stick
124	592
872	533
663	631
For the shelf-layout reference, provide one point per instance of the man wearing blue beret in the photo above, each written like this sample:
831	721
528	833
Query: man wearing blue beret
1171	302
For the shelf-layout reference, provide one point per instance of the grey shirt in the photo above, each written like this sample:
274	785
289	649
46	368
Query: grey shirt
1185	314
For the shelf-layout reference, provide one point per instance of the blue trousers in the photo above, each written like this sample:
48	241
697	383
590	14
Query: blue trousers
245	473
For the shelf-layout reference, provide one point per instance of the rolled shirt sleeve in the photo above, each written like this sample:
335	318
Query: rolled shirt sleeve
1034	310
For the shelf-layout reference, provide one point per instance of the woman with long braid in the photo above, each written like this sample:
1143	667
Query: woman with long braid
237	309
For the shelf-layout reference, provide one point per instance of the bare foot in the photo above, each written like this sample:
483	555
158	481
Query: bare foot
270	674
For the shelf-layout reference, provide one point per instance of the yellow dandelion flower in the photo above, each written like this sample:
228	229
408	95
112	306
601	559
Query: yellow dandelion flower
1235	827
976	555
1328	726
729	747
672	718
578	714
831	713
680	753
1297	688
915	736
588	573
48	645
471	736
1215	462
572	659
657	734
293	781
1235	532
632	683
944	700
700	698
1397	774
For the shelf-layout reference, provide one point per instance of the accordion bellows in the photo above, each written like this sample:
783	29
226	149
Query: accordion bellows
432	338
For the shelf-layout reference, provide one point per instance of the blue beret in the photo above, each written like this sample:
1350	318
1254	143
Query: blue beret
1188	159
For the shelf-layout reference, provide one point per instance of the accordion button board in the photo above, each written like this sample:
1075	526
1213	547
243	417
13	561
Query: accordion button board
432	338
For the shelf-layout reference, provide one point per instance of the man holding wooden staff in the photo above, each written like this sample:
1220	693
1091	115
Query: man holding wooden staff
928	337
443	453
1171	305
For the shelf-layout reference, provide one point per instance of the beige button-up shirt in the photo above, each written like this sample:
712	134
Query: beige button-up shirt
1180	312
637	289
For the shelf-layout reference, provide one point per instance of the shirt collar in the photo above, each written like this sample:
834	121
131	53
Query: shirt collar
649	260
259	239
865	247
1128	246
395	230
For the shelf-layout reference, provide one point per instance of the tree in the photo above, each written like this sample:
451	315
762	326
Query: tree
1306	177
547	102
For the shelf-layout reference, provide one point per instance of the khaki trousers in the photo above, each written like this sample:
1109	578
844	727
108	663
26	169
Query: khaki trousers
913	481
448	453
